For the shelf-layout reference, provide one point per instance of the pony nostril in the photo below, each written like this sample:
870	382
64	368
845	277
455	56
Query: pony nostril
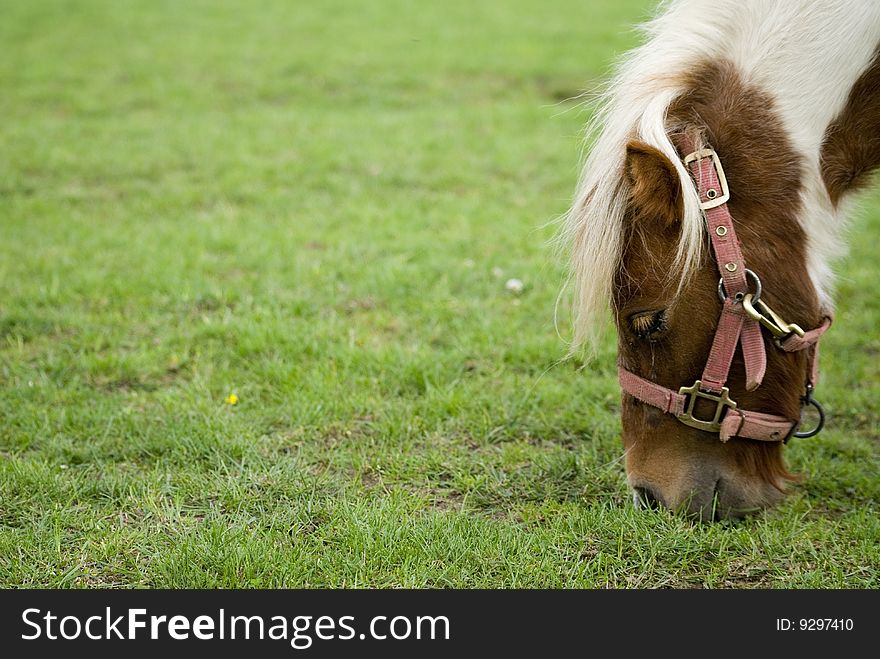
645	498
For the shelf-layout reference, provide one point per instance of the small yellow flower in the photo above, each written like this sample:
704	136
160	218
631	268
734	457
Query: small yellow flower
232	399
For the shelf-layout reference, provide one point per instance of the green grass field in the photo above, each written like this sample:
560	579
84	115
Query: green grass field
315	207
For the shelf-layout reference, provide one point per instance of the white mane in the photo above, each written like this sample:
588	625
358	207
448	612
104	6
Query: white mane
805	54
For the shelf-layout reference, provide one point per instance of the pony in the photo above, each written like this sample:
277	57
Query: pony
724	156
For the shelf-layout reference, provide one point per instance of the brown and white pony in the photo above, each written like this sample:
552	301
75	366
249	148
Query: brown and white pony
786	93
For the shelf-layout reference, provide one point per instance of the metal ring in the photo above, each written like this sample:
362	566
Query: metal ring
804	434
722	294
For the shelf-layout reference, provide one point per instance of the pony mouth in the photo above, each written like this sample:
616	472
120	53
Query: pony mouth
712	510
645	499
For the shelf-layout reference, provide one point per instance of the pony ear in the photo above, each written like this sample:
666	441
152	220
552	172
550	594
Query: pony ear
655	190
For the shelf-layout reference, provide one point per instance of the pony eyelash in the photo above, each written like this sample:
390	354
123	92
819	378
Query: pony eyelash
648	323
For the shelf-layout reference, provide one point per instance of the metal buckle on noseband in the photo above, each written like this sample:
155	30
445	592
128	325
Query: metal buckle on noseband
716	200
687	417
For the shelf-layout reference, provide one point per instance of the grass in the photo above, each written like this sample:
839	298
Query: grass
315	207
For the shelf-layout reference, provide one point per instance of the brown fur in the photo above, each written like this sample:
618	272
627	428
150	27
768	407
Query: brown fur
764	174
655	191
851	148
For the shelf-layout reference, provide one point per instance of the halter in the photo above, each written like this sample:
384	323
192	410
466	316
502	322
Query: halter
743	313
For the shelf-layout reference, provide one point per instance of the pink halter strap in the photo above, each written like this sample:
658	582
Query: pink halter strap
742	315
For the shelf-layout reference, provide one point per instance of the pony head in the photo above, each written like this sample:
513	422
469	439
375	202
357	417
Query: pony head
642	245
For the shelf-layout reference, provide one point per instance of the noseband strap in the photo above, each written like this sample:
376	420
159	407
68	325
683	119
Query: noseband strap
742	315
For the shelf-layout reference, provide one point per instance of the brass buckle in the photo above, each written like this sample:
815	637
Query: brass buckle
722	401
719	170
758	310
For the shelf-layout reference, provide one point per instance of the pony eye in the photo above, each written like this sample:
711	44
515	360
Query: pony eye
647	324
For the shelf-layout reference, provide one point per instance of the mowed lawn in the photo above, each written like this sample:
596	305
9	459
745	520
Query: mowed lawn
311	210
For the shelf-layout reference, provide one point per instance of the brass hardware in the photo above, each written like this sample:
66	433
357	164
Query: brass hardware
721	401
750	276
721	231
758	310
722	179
730	267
